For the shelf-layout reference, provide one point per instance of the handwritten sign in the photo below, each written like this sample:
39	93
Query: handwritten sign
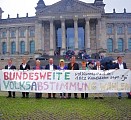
68	81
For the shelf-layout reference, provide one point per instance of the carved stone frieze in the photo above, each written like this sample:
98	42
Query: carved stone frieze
70	6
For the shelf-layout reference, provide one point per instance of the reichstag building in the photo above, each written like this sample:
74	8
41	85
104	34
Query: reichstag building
66	25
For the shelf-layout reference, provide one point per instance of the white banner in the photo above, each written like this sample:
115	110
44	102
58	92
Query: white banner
0	78
67	81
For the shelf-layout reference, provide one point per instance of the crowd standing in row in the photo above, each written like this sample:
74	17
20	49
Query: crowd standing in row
73	65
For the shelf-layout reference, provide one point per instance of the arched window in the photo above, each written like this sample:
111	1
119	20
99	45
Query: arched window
32	46
4	48
110	45
22	47
129	44
13	48
120	45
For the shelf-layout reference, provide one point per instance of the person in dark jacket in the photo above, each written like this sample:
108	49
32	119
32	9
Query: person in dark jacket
51	66
120	65
10	66
24	66
38	67
73	66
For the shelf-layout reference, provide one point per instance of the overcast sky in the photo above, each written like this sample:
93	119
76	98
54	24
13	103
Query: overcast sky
12	7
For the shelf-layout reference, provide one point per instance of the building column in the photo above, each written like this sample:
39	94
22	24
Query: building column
17	40
43	37
8	42
98	34
51	38
115	37
126	37
103	34
54	37
36	37
27	46
87	34
40	35
76	34
1	52
63	36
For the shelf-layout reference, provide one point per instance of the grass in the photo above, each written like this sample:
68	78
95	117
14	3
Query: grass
64	109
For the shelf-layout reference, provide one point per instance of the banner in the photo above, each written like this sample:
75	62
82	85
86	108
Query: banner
0	79
66	81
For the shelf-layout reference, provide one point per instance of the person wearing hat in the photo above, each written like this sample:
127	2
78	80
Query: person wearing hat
84	67
62	66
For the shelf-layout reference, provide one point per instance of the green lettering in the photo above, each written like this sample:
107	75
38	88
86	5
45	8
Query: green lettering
6	84
67	75
28	86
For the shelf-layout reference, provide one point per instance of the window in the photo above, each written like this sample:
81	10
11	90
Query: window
32	33
12	34
120	30
13	48
120	45
59	38
129	30
129	44
32	46
110	45
109	30
81	38
4	34
22	33
4	48
70	39
22	47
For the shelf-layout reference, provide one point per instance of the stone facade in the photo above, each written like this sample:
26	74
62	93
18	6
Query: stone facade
42	28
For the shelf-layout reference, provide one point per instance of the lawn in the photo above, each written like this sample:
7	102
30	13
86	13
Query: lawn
64	109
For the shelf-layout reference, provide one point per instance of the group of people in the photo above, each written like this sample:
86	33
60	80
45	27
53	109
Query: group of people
72	65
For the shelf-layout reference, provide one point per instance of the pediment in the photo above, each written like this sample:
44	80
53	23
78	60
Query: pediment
68	6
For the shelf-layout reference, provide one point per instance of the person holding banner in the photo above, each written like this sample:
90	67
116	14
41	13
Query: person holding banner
121	65
62	67
73	66
83	67
38	67
98	66
24	66
10	67
51	66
